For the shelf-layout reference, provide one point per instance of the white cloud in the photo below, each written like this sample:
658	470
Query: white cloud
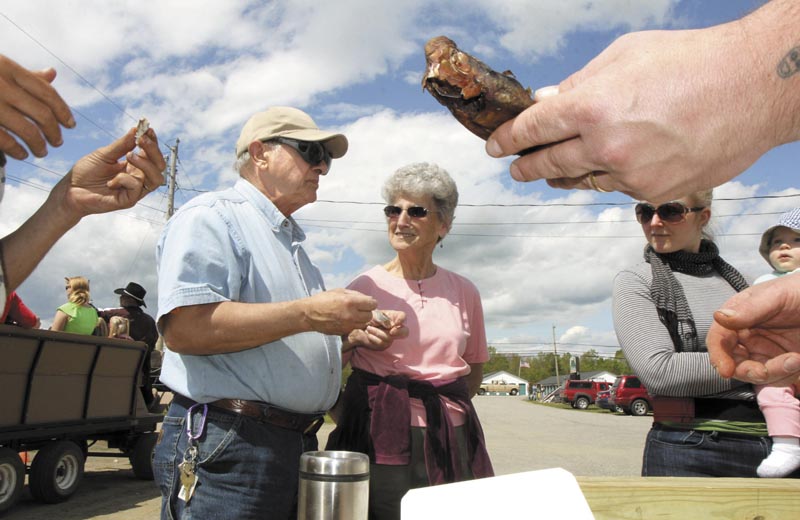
197	70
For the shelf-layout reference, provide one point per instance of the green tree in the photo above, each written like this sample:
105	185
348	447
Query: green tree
497	362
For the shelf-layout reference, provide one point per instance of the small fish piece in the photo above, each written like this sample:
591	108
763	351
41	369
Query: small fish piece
142	128
382	318
479	97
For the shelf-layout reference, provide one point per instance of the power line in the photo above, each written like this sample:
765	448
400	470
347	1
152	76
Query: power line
504	235
460	223
61	175
47	190
547	344
40	44
78	74
559	204
28	183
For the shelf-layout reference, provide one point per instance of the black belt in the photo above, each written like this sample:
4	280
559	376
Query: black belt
728	410
691	409
262	412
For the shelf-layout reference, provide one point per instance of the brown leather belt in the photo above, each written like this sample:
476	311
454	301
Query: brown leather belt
300	422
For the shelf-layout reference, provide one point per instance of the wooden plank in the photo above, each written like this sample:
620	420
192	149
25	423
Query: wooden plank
667	498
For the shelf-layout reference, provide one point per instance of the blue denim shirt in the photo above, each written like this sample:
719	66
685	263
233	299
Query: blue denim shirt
234	245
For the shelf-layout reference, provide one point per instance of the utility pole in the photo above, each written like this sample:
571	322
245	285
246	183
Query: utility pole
173	158
555	351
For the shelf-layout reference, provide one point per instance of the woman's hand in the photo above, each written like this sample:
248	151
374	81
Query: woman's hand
113	177
755	337
377	336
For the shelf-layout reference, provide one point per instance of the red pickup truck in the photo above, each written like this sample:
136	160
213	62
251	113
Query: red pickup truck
630	395
581	393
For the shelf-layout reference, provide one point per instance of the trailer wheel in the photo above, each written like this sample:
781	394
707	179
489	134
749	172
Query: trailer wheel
12	478
56	472
141	456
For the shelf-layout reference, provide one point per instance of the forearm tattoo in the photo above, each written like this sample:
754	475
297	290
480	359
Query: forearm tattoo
790	64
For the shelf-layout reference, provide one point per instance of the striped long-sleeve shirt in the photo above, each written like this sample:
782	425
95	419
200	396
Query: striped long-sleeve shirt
647	344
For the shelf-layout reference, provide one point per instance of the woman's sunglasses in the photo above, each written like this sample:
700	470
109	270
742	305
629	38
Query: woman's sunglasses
413	211
671	212
312	152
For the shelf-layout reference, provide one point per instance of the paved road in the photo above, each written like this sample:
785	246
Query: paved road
521	436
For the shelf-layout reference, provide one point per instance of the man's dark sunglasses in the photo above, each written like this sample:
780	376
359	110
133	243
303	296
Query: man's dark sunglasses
671	212
312	152
413	211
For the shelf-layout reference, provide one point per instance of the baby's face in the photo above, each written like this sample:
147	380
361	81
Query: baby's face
784	250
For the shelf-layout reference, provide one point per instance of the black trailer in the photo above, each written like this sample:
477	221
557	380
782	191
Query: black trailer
61	393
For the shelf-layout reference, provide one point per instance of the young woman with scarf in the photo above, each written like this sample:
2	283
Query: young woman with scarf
704	425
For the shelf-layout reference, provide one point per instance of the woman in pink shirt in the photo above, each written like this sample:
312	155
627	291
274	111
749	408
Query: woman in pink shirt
408	406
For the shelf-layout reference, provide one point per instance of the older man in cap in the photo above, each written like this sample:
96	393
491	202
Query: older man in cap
142	328
252	338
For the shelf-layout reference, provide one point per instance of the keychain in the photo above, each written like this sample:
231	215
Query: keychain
188	468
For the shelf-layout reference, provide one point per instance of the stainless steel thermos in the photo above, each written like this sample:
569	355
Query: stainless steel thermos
334	485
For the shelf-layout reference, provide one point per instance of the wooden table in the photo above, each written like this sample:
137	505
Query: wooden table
666	498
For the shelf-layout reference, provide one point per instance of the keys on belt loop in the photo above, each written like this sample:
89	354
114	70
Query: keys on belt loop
188	468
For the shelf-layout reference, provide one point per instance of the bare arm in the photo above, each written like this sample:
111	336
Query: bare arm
702	105
236	326
97	183
474	378
59	321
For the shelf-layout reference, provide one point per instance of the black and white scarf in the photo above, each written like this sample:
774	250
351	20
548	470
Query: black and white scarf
668	295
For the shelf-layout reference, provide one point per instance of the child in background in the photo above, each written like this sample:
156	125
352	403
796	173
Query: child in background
119	327
780	247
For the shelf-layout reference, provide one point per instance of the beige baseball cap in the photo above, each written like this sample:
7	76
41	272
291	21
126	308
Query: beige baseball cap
288	122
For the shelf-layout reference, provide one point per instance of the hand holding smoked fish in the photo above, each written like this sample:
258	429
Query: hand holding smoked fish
480	98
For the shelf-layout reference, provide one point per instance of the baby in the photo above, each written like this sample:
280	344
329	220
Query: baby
119	327
780	246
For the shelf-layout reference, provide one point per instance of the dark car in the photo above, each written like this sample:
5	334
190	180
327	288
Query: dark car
602	400
630	395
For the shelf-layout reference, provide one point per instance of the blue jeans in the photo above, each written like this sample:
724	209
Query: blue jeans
245	469
692	453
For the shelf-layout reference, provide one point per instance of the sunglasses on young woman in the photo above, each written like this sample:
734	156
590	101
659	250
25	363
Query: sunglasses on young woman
670	212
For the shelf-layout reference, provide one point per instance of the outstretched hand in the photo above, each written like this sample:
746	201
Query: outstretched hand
755	337
113	177
654	116
31	110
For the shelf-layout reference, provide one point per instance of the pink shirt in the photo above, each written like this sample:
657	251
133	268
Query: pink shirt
444	317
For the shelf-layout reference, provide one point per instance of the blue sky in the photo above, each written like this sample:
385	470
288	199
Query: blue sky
198	69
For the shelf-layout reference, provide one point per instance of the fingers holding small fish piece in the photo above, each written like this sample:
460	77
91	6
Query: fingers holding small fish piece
142	128
147	165
381	319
